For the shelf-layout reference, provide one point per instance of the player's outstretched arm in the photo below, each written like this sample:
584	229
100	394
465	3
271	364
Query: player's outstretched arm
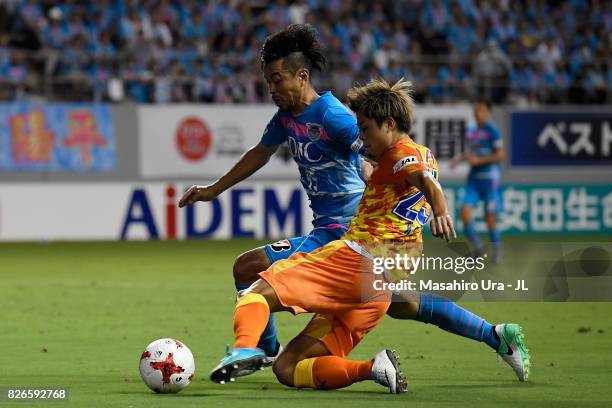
254	159
456	160
442	224
498	155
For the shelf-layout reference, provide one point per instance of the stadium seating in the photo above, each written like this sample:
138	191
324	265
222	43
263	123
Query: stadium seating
162	51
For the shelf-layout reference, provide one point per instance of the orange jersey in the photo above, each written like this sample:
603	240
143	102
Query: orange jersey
391	209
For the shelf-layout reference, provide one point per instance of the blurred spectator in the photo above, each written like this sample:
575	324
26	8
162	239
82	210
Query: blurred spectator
75	58
135	76
203	83
5	55
557	82
297	12
100	73
30	13
342	79
193	26
104	47
16	71
595	85
55	33
401	39
461	36
131	28
160	30
547	54
492	69
76	25
384	56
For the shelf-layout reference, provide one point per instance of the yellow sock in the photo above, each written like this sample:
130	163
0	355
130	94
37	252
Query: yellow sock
330	372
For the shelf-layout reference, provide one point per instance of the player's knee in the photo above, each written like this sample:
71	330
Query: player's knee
466	214
491	219
284	369
248	265
239	269
405	306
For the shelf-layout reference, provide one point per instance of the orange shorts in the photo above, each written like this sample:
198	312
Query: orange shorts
335	282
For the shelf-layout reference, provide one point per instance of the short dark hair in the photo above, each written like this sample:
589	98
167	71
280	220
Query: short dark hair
483	101
298	45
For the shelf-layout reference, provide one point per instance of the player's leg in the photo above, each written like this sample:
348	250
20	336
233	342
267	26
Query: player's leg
493	206
449	316
470	200
300	348
246	269
251	316
405	305
440	311
306	363
248	265
252	313
312	273
494	236
316	357
251	263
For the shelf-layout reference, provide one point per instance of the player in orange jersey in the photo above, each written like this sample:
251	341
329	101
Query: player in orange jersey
396	205
335	281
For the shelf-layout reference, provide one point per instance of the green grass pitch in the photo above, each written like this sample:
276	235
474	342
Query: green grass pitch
78	315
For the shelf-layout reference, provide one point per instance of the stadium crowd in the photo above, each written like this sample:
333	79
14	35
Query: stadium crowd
161	51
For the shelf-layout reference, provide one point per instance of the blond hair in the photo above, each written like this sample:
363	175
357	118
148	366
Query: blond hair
380	100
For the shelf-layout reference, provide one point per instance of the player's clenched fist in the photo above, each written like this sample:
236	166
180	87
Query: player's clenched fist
197	193
442	227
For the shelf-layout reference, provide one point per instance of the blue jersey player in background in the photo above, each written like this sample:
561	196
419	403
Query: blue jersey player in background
484	152
323	138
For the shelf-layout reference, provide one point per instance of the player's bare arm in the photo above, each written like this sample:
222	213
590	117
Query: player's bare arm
497	156
442	224
254	159
454	162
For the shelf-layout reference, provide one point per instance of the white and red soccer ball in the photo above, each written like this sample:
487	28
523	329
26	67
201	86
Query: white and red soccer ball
167	366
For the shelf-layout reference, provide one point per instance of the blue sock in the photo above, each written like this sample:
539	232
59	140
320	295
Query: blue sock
472	235
495	237
241	286
268	341
449	316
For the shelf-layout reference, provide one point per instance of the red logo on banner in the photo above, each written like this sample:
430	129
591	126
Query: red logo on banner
31	139
83	134
193	138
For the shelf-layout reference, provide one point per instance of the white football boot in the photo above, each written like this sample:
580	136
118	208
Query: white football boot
512	349
269	360
386	371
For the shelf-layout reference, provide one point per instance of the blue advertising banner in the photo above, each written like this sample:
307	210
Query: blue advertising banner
561	139
56	137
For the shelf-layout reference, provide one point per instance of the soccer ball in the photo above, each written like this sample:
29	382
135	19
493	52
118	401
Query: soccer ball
167	366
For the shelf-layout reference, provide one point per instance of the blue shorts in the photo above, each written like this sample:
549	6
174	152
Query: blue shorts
316	238
485	190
